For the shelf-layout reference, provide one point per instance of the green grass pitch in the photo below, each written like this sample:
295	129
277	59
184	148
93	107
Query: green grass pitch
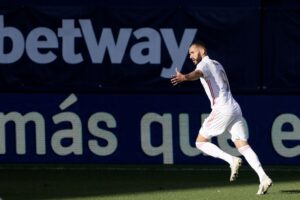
123	182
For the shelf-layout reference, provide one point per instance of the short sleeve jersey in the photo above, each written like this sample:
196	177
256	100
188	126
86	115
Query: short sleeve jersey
215	83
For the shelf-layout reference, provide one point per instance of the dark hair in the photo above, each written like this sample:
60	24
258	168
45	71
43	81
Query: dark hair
201	44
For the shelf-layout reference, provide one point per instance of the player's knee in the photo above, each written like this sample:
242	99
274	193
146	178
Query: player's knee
240	143
201	138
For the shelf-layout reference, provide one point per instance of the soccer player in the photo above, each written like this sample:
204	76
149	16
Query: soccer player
226	114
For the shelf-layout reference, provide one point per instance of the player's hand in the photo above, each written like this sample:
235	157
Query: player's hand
177	78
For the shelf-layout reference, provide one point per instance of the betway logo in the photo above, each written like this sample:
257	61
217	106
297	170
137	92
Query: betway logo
41	41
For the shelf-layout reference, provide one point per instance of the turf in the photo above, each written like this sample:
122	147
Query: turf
143	183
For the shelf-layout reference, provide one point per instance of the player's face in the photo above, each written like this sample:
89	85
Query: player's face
195	55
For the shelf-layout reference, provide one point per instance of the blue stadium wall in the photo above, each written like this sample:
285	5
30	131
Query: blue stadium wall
88	82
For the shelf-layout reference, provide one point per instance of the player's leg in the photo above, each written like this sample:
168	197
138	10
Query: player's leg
245	149
239	138
215	124
203	144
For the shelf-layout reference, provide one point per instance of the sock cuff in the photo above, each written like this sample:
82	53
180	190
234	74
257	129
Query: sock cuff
199	144
244	148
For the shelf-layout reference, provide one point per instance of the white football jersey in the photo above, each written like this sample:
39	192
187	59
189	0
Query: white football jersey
216	84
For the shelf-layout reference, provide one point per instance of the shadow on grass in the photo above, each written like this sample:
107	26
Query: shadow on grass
42	184
291	191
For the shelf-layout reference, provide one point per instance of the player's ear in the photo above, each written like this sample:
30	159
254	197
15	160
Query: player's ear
202	50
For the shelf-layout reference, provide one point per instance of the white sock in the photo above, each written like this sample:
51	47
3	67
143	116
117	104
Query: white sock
214	151
253	161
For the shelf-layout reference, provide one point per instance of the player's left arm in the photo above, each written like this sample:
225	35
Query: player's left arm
192	76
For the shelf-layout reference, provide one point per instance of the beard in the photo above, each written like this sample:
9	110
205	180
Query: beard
197	60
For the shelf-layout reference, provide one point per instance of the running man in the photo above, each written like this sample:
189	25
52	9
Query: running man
226	114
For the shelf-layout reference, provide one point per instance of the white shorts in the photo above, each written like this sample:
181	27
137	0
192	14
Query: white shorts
218	122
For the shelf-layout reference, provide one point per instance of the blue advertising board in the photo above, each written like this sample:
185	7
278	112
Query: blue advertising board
100	46
108	48
137	129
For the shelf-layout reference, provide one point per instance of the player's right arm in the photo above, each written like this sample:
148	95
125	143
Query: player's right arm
192	76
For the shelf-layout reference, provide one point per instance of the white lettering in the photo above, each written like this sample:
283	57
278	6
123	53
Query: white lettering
116	50
69	33
147	50
166	148
153	44
110	138
17	40
34	43
279	136
20	127
177	52
184	139
74	134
